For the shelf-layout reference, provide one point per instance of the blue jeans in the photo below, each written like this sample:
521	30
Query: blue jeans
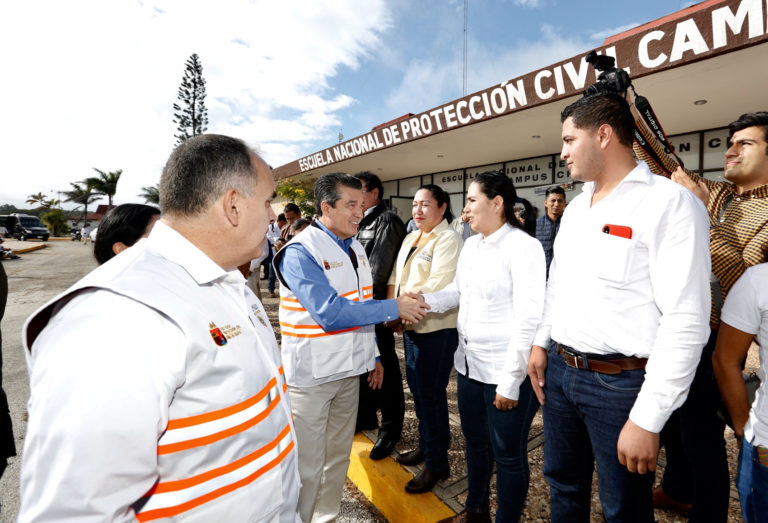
271	279
500	436
697	464
428	363
752	482
584	413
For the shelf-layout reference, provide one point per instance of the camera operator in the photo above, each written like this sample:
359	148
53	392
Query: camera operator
625	318
696	477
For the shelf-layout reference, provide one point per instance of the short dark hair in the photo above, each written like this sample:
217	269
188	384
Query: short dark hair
371	182
493	184
201	169
593	111
125	223
442	198
301	222
327	189
281	218
291	207
756	119
554	190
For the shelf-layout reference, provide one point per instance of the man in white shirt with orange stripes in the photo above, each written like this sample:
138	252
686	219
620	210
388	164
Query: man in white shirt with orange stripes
157	390
327	318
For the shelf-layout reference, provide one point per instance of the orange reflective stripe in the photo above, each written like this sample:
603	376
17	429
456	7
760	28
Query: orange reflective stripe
348	294
178	509
207	440
291	325
368	288
222	413
299	309
170	486
290	308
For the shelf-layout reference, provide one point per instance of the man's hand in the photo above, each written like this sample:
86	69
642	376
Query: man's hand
638	449
698	189
376	376
537	369
502	403
411	307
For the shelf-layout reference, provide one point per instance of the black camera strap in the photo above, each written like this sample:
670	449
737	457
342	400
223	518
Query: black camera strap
647	153
652	121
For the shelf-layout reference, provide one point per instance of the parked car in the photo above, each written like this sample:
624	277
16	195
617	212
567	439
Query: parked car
25	226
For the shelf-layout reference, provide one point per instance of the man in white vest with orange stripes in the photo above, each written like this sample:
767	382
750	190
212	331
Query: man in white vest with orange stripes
327	318
157	391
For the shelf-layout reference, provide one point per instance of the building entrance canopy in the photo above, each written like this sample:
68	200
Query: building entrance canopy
700	67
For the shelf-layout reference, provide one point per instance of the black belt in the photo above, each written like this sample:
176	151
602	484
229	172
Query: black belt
601	365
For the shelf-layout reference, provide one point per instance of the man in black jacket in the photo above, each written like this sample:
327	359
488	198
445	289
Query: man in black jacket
381	231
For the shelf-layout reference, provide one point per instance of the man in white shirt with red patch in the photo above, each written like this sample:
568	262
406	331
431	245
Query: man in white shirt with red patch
625	317
157	390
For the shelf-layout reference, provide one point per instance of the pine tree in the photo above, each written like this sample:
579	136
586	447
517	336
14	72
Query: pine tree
192	116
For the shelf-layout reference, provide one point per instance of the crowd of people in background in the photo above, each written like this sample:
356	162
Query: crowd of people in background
626	314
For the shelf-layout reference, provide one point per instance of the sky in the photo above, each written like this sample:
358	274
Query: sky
89	83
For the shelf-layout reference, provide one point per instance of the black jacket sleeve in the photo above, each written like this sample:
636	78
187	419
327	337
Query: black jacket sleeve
381	239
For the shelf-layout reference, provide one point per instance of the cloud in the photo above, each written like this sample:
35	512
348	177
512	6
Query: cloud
429	83
529	3
92	83
603	34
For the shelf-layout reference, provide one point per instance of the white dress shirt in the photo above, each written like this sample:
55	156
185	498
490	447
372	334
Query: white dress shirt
646	296
746	309
499	288
273	233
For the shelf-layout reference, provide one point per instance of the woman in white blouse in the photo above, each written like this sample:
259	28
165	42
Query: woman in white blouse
499	289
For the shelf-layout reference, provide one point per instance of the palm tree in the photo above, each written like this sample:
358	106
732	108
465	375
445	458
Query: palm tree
84	195
151	194
105	183
37	199
47	205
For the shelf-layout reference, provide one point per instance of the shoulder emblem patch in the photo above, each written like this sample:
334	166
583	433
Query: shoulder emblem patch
217	335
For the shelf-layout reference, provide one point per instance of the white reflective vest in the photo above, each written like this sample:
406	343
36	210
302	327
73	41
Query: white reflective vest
228	452
311	355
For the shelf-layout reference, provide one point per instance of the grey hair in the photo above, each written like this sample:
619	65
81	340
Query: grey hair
203	168
327	189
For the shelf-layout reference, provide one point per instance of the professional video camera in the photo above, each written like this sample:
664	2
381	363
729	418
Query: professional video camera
611	79
615	80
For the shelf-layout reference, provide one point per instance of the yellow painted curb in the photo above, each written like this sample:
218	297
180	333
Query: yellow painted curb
29	249
59	239
382	483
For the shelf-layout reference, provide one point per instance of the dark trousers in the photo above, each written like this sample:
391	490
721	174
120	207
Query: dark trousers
7	443
584	413
697	464
390	398
499	436
428	363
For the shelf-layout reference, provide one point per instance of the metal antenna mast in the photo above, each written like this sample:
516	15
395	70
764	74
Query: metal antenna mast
464	76
466	23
